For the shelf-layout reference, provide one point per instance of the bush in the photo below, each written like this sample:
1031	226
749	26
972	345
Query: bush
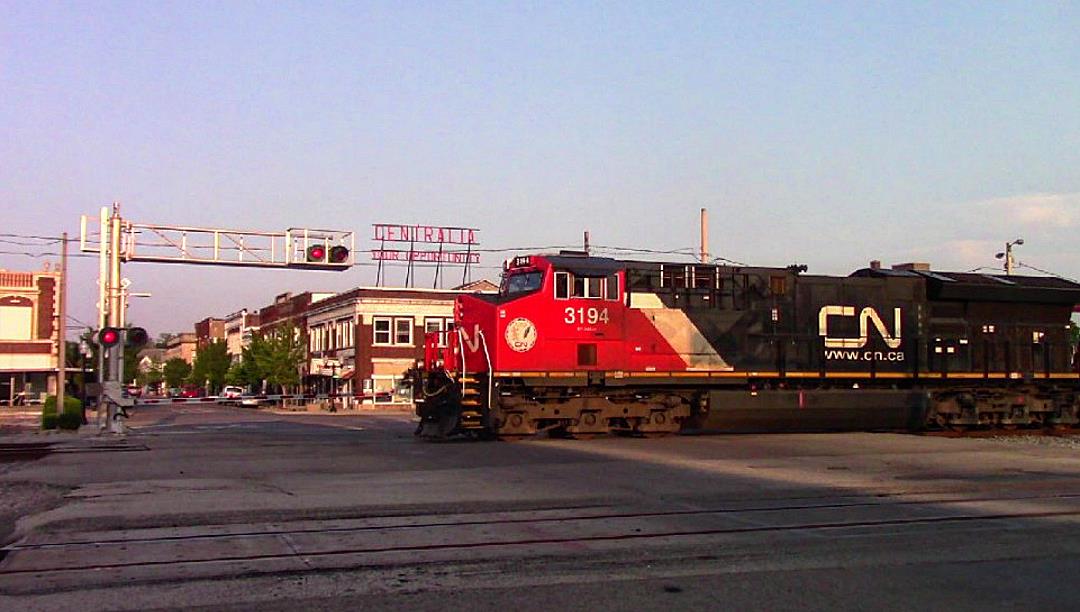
69	420
71	417
48	420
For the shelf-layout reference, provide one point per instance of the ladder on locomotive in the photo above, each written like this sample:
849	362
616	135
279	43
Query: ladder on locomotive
472	393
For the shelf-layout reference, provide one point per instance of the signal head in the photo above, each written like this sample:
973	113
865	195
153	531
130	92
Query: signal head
136	337
339	254
316	253
109	337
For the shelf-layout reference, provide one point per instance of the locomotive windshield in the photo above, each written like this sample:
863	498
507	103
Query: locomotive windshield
520	283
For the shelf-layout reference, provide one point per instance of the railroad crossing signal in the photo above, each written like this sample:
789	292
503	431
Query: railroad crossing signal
109	337
132	337
117	240
306	248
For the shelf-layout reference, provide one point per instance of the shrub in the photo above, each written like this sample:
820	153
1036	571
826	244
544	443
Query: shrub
48	420
69	420
71	417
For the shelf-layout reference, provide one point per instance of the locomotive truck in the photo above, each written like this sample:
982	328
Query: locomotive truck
577	345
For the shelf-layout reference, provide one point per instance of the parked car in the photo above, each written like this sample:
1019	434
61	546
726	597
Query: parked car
192	391
231	393
134	391
248	400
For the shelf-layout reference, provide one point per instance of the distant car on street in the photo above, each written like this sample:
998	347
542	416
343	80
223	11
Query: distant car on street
192	391
134	391
231	393
248	400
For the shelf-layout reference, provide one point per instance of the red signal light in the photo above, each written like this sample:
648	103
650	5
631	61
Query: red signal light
109	337
316	254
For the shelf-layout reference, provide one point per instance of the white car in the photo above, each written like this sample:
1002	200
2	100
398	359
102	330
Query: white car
231	393
249	400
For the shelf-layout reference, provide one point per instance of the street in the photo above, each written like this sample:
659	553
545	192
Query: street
224	508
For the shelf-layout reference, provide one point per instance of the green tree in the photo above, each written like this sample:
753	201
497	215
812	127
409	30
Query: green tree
163	340
278	356
175	371
211	365
151	375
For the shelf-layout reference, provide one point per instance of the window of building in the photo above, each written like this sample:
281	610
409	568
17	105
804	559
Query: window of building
403	331
349	333
433	326
382	329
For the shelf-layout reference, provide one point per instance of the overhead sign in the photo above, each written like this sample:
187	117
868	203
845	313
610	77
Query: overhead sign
431	234
439	245
448	257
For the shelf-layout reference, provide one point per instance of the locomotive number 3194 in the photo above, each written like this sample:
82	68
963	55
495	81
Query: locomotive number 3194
592	316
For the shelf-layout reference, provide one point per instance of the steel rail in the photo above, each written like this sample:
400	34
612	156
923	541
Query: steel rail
554	519
675	533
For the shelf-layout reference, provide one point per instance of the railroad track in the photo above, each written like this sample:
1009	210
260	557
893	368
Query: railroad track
1002	432
215	551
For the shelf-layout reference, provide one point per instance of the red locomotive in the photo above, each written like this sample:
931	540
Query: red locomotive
579	346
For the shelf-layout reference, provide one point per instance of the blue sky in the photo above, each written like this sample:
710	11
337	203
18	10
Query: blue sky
827	133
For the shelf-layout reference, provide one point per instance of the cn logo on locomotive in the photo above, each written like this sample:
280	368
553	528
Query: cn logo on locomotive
866	316
520	334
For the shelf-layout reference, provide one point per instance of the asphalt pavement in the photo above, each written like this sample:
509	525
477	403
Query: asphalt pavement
219	508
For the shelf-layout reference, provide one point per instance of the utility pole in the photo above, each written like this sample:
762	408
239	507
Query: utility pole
61	328
1007	255
116	319
103	306
586	242
704	236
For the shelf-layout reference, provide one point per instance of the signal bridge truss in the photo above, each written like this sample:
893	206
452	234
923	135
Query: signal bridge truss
292	248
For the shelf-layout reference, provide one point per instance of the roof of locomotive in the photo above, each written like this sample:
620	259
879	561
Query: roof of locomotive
942	285
971	286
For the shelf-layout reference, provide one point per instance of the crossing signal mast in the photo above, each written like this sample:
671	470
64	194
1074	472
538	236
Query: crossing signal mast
117	240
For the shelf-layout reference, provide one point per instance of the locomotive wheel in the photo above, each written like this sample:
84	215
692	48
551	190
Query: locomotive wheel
658	424
516	425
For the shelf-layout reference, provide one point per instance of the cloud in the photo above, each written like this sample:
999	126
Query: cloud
961	254
1036	210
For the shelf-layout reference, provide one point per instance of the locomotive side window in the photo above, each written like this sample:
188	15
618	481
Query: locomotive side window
562	285
777	285
612	287
588	287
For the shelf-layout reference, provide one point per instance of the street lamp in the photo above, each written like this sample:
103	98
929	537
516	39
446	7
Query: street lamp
1008	256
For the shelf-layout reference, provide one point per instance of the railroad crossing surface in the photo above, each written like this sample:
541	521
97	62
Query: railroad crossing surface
205	506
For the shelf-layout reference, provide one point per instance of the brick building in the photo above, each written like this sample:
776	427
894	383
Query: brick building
239	327
209	330
362	341
182	345
28	354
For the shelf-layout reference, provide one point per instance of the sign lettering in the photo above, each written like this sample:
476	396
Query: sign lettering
867	316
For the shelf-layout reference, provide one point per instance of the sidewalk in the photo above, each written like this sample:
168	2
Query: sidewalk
20	419
322	408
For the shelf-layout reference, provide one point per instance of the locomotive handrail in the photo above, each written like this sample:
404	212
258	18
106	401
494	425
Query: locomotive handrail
461	353
487	356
